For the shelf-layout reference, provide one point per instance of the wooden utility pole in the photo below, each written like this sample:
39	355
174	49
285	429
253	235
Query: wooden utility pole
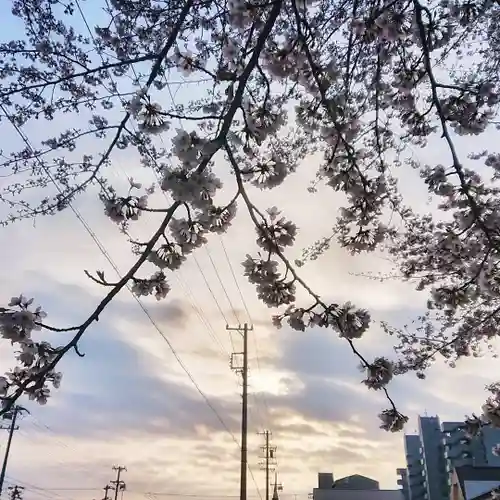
12	416
269	456
119	485
106	491
243	369
278	487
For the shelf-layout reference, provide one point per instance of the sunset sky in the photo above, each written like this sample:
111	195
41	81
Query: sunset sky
130	402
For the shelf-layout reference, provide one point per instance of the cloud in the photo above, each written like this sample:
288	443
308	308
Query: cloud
130	402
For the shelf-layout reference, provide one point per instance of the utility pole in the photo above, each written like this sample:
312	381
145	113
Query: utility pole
106	491
278	487
119	485
243	369
16	492
269	456
12	416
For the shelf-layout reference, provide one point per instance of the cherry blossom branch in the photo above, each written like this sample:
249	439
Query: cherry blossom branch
56	329
392	419
9	401
141	286
85	73
446	134
159	59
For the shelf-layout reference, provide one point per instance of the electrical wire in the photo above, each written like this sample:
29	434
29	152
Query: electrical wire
172	98
214	335
157	178
224	288
235	279
28	486
55	438
111	262
198	310
141	305
222	285
154	493
254	336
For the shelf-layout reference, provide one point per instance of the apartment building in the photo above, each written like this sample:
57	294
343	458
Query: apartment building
437	449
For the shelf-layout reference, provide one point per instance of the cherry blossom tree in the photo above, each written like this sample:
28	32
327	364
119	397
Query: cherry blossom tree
356	80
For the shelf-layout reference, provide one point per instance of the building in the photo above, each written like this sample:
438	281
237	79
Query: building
403	481
433	457
460	450
354	487
356	482
416	484
437	449
474	483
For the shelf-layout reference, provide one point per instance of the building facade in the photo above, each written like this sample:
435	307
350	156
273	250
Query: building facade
433	456
354	487
403	482
474	483
439	448
416	484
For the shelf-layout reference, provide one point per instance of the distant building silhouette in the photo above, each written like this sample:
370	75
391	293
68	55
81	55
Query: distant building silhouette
355	487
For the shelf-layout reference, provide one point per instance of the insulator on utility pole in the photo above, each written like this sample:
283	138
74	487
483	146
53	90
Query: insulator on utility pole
119	485
11	415
15	492
243	369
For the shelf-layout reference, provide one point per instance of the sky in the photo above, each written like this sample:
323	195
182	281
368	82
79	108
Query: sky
173	419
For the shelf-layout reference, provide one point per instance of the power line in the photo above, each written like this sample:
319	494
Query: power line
235	279
211	291
34	489
141	492
222	285
194	256
156	176
199	311
54	437
208	253
108	257
111	262
224	288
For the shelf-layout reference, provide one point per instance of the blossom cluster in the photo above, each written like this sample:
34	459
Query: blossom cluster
149	114
279	87
156	284
392	420
349	322
35	371
379	373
